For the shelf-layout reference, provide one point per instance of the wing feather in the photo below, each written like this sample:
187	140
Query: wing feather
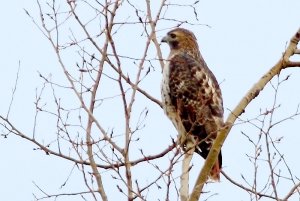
196	96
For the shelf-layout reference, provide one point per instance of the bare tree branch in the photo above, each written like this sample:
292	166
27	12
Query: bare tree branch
245	188
292	191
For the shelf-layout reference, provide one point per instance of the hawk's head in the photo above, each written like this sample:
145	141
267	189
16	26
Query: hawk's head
181	40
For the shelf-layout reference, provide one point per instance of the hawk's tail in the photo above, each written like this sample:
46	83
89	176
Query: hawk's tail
215	171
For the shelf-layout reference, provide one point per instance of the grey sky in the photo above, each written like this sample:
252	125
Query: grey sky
244	40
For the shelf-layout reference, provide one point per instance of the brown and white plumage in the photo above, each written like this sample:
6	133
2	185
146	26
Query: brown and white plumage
191	95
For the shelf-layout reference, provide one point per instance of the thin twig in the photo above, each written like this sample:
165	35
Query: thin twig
14	90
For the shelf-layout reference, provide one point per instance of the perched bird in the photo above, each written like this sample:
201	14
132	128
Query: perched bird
191	95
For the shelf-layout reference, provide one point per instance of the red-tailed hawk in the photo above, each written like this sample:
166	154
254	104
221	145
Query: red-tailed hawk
191	95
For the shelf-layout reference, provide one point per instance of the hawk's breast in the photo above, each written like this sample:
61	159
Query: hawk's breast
168	107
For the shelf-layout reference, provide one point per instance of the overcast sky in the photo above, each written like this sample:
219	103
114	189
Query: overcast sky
244	40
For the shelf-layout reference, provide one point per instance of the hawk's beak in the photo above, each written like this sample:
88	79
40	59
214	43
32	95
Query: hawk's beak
165	39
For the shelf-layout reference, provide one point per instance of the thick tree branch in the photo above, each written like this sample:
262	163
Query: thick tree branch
292	191
293	64
240	108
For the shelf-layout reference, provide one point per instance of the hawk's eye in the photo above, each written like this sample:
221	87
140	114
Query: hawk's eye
173	35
